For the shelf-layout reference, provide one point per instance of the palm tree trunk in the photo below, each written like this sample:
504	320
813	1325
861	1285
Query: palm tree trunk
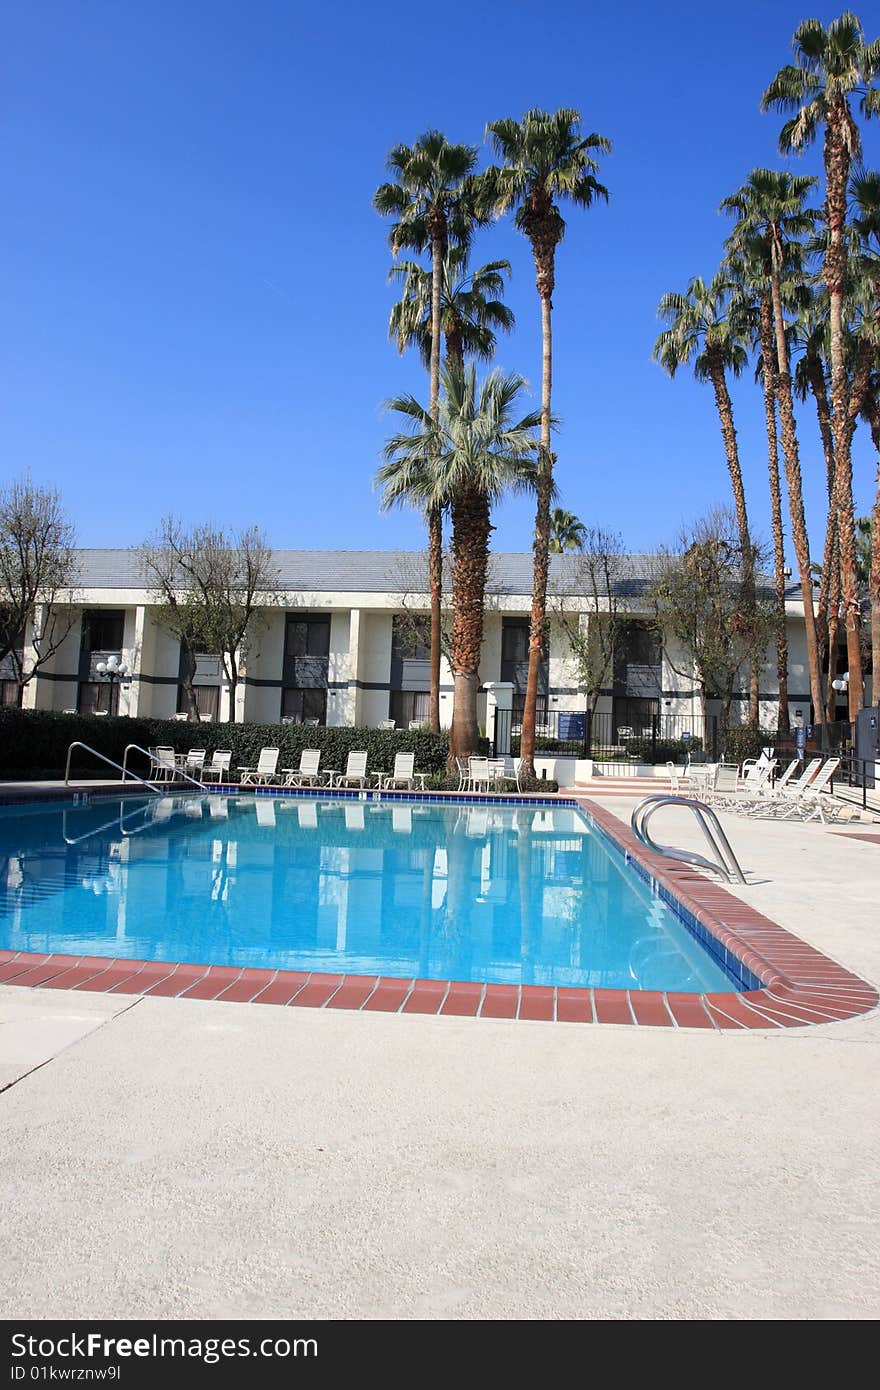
828	606
768	351
544	492
435	515
795	493
871	408
724	407
837	168
470	558
435	583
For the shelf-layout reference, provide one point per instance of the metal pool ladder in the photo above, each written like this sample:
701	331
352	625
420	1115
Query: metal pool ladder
725	861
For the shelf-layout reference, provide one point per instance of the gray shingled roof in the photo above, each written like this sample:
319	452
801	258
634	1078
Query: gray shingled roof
361	571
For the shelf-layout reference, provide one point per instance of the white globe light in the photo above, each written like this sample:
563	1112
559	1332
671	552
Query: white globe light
112	663
101	667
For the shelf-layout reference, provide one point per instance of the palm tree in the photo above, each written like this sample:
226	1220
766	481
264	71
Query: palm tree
866	199
474	453
567	532
472	311
703	332
755	309
831	67
546	161
770	207
808	332
433	202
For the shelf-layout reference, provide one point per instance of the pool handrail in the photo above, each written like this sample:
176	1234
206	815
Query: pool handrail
126	772
725	861
178	771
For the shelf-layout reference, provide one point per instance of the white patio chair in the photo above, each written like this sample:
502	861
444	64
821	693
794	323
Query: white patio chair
404	773
415	724
387	724
165	765
355	773
464	774
217	770
195	762
777	799
680	780
724	784
265	770
307	774
478	771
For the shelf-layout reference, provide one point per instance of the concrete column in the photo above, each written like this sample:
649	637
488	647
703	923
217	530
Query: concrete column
132	696
31	694
352	705
499	696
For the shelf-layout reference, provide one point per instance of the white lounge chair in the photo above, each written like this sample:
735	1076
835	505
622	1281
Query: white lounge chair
307	774
217	770
808	801
680	780
387	724
265	770
777	799
355	773
724	783
404	773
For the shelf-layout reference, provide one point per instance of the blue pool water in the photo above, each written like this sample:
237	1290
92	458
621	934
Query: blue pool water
512	894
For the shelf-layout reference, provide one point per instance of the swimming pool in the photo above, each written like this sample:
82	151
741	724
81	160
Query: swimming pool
502	893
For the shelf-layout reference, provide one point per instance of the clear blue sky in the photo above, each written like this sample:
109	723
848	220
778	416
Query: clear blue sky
194	305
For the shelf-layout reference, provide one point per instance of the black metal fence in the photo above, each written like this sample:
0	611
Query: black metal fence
585	734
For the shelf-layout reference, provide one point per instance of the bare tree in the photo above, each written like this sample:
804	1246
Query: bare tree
698	600
37	574
410	578
599	569
210	582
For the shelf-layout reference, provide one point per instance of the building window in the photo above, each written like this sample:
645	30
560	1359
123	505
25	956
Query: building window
307	637
300	706
99	697
306	668
515	641
409	707
9	692
411	637
207	701
103	630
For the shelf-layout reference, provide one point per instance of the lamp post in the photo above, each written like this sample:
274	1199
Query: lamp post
113	669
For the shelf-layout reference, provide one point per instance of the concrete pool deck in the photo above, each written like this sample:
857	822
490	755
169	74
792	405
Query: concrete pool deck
165	1158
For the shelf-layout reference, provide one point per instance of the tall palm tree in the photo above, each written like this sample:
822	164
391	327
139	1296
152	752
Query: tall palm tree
809	336
832	66
755	310
866	199
702	331
472	311
474	453
432	201
546	160
770	206
567	532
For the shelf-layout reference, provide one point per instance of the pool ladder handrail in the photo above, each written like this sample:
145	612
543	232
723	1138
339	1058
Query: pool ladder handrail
178	771
725	861
126	772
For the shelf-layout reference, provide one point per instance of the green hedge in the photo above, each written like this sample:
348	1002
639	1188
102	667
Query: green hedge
747	741
661	750
34	743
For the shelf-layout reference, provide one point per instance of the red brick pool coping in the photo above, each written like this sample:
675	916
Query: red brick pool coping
800	985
